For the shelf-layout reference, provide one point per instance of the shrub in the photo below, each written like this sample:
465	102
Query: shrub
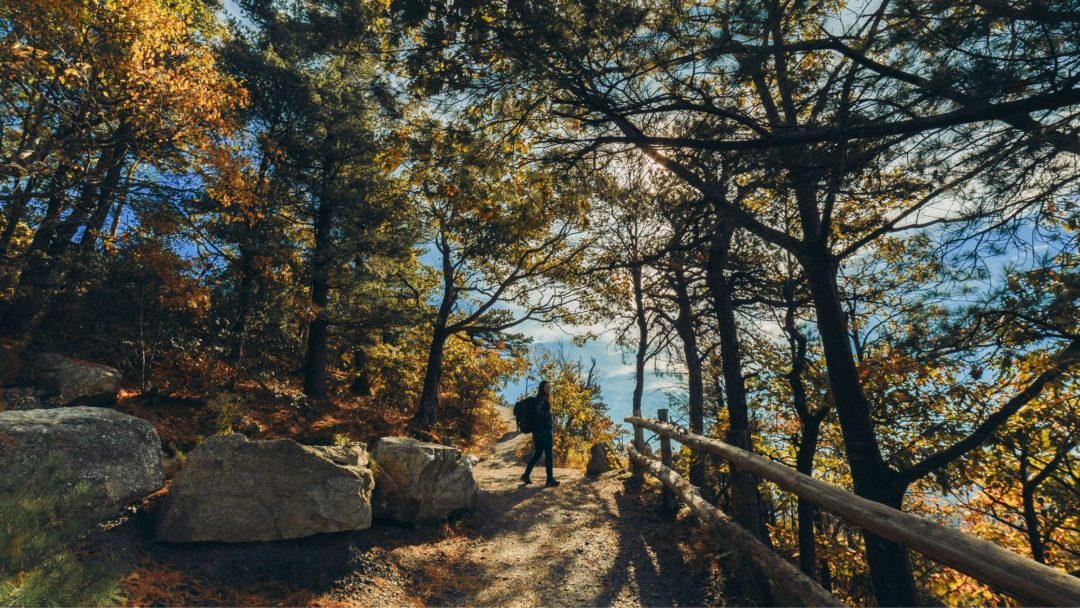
44	520
226	410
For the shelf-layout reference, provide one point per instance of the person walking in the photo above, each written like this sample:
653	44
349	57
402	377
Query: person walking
543	438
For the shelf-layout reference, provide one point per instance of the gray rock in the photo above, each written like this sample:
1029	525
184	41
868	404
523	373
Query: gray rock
69	382
418	482
119	455
235	490
602	458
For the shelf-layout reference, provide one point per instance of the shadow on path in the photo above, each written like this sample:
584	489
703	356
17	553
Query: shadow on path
589	542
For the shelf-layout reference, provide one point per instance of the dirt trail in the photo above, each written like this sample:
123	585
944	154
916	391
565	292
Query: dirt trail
587	542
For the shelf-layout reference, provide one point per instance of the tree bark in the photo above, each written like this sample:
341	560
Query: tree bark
427	410
1031	523
247	301
640	356
890	567
807	512
315	381
106	192
44	257
810	423
745	494
684	326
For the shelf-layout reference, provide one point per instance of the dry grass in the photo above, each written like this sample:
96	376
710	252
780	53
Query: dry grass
152	584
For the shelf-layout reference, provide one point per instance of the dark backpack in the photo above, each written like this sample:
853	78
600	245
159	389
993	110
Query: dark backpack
525	414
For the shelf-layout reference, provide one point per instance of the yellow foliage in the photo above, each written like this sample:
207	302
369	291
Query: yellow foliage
579	414
145	68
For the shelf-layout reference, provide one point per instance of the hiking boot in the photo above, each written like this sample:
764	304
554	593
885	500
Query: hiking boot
551	483
525	480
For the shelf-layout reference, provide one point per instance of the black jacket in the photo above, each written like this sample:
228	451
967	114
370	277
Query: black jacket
543	414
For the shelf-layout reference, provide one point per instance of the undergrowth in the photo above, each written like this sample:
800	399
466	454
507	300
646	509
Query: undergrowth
45	516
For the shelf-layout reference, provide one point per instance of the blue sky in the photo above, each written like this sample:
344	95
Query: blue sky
614	369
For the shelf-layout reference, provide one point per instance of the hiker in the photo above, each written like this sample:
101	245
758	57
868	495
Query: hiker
543	441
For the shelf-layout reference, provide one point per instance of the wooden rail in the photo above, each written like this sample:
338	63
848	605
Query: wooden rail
788	584
1024	579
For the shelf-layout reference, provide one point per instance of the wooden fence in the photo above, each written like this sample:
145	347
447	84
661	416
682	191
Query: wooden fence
1022	578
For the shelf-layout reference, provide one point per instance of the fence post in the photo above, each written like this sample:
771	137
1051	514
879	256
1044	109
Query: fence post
666	495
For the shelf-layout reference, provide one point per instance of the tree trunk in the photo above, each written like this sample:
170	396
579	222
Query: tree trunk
1031	517
427	412
115	226
362	383
804	463
684	326
251	290
247	300
46	230
43	261
810	423
106	193
890	568
745	494
1031	523
38	243
640	356
315	384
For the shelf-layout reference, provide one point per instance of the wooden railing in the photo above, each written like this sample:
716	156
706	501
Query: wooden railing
1022	578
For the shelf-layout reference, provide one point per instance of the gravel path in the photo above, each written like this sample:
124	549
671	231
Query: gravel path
588	542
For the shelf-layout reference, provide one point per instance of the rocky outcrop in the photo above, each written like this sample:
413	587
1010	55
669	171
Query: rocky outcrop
118	455
235	490
418	482
64	381
602	458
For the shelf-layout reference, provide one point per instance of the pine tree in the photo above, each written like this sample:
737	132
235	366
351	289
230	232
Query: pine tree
44	521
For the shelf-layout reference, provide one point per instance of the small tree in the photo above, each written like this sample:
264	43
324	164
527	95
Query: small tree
508	237
44	520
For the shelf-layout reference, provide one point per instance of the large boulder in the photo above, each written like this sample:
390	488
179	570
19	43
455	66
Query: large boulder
68	382
602	458
418	482
235	490
118	455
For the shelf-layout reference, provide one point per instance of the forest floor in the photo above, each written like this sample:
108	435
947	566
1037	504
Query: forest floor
589	542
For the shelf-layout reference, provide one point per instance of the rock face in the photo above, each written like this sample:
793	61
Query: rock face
418	482
69	382
602	458
119	455
235	490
